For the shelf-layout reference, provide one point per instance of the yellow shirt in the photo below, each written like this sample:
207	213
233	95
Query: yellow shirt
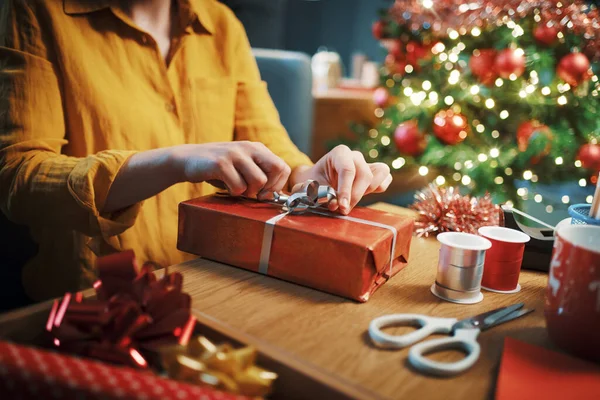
82	89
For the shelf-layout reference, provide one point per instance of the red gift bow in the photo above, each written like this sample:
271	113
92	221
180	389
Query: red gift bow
134	312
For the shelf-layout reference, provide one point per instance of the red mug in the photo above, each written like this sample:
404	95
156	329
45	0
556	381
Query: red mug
573	293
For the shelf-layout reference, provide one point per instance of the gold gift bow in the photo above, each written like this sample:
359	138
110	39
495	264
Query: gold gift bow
221	367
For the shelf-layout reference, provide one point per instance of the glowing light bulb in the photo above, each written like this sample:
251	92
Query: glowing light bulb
449	100
453	34
527	175
480	128
499	82
522	94
427	3
385	140
530	89
546	91
378	112
582	182
504	114
522	192
512	77
495	134
498	180
423	170
433	97
373	153
453	58
537	198
562	100
456	176
490	103
508	171
476	31
549	209
440	180
565	199
494	152
409	69
589	199
398	163
426	85
474	89
443	57
558	161
578	163
482	157
466	180
408	91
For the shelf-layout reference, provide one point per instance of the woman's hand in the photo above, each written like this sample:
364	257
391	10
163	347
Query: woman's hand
347	172
244	168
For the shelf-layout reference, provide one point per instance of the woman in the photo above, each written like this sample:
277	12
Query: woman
115	111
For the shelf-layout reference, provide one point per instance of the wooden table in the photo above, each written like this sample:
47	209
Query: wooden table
330	333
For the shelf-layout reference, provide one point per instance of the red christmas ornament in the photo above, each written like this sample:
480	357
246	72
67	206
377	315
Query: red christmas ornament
482	64
408	139
395	66
545	35
527	131
416	52
574	68
589	155
381	97
450	127
378	30
394	48
509	62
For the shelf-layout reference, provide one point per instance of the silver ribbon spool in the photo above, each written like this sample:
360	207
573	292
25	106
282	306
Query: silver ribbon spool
460	267
309	194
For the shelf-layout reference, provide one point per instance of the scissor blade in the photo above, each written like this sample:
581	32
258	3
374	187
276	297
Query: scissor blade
509	317
487	318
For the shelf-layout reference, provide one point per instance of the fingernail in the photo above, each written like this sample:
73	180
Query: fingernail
264	195
344	203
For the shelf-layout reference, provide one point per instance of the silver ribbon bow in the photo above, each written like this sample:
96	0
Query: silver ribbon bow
309	194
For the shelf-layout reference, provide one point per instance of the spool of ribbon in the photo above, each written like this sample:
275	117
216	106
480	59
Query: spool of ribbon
312	197
460	267
134	312
504	259
221	367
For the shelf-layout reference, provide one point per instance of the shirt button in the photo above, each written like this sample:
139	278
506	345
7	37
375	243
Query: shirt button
170	107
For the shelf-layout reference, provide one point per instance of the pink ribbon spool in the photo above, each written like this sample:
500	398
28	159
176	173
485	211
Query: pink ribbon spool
503	260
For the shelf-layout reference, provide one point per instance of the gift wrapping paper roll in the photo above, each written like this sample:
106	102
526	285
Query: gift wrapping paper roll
504	259
460	267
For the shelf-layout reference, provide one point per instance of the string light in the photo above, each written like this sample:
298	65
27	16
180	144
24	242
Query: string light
562	100
449	100
527	175
378	112
534	178
498	180
549	209
538	198
443	57
469	164
423	170
453	34
440	180
565	199
578	163
427	3
522	192
408	91
589	199
461	46
499	82
453	58
546	91
490	103
474	89
438	48
558	161
504	114
480	128
426	85
494	152
385	140
373	133
512	77
509	204
508	171
457	166
482	157
466	180
582	182
530	89
373	153
456	176
433	97
494	164
522	94
454	77
563	88
495	134
398	163
476	31
595	78
409	69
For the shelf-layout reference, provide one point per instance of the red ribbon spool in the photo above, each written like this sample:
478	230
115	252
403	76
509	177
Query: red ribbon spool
503	260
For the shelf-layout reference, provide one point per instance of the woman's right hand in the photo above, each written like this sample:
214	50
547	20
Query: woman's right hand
245	168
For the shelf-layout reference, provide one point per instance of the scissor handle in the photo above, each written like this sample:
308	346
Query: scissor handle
463	339
427	326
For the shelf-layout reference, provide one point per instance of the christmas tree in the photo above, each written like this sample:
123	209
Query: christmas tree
488	93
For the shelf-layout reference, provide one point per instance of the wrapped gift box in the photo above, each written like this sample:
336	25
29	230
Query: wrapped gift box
346	256
31	373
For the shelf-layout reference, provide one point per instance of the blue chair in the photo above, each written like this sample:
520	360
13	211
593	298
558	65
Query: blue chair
289	80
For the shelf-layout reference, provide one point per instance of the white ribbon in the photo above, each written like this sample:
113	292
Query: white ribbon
265	252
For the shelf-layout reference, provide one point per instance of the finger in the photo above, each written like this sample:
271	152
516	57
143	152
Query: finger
254	177
384	185
362	180
343	164
234	182
276	170
380	172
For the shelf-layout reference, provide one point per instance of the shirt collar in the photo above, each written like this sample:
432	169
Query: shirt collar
193	12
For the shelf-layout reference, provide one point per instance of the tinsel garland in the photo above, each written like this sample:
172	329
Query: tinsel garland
446	210
443	15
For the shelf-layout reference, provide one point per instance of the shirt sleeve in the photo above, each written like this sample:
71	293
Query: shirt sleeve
39	186
256	118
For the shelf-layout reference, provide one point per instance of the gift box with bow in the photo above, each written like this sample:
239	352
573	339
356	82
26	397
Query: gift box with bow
296	239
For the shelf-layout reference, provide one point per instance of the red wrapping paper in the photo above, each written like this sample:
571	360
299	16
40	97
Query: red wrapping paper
29	373
338	256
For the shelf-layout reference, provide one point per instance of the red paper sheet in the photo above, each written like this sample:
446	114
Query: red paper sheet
531	372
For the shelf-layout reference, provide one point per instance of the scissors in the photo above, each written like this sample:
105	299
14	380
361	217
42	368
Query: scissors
464	337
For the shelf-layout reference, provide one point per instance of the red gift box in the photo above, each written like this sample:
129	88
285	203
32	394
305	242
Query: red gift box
30	373
344	255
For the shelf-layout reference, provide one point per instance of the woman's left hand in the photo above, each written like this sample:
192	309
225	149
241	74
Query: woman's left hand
349	174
